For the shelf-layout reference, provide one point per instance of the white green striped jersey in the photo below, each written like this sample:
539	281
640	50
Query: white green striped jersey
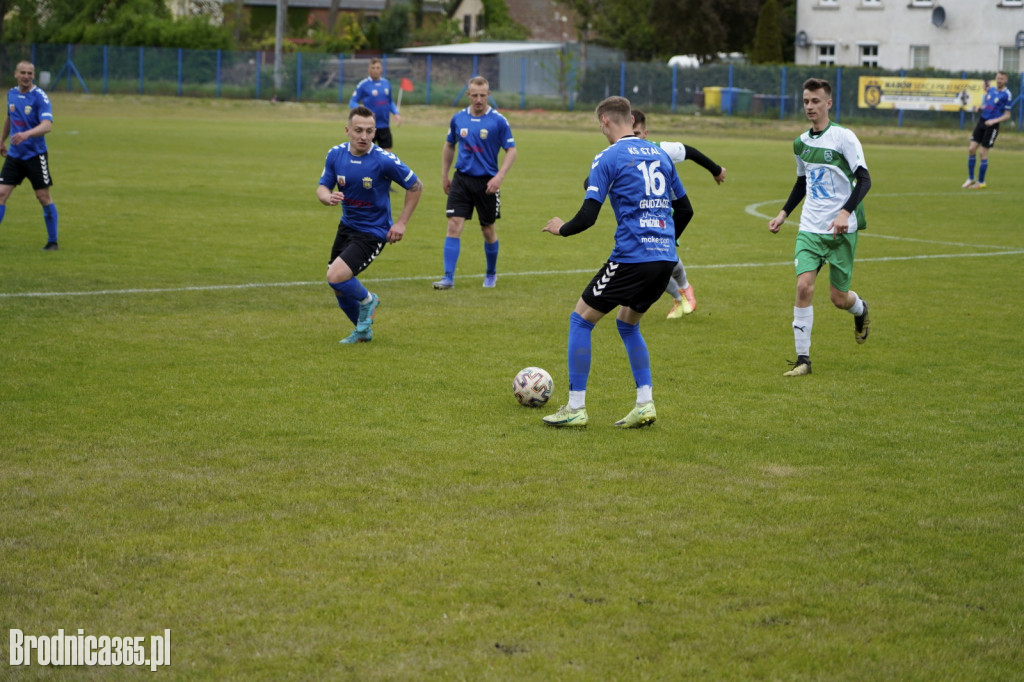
828	160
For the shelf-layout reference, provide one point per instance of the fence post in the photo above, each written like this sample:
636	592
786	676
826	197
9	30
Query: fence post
180	53
839	91
141	72
782	96
675	82
572	84
429	64
522	82
963	76
259	73
298	76
732	95
105	68
899	117
341	79
622	79
218	73
1020	112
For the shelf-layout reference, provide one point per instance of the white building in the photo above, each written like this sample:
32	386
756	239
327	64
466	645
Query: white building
949	35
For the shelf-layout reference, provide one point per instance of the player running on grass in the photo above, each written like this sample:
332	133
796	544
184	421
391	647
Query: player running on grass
363	173
833	176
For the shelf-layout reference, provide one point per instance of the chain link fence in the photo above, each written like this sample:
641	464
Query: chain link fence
546	79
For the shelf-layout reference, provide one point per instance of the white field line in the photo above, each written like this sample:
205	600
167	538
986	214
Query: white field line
267	285
751	209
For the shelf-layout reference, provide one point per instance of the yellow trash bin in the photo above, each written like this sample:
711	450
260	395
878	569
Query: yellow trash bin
713	98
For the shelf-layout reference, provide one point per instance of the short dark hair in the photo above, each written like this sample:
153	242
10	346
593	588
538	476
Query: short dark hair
639	118
360	111
813	84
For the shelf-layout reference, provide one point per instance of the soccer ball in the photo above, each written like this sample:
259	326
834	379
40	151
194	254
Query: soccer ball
532	387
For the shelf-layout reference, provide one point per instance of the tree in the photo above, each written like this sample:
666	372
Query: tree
393	27
768	36
498	24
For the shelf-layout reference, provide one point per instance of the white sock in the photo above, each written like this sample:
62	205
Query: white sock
803	320
369	297
858	306
643	394
577	399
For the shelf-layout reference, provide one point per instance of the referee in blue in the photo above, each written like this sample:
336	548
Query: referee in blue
651	212
480	132
29	117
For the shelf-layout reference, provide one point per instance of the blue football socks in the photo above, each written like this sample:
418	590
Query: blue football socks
579	352
50	218
636	349
491	253
982	169
451	256
350	293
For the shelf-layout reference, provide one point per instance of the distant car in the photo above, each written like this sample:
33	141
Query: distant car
684	61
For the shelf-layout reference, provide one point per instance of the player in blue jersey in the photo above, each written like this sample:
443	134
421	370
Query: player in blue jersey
994	110
374	93
833	176
651	211
358	175
29	118
684	301
479	132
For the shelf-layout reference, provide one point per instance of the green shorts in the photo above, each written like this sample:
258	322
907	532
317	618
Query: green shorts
814	250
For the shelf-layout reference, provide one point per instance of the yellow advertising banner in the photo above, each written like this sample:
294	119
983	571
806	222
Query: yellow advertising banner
921	94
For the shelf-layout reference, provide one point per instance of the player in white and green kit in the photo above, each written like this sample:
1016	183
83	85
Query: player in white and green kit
833	178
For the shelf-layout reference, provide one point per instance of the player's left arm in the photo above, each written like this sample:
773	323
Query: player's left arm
44	127
695	155
841	223
584	218
494	184
412	198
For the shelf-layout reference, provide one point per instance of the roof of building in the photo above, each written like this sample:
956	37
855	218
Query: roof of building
485	48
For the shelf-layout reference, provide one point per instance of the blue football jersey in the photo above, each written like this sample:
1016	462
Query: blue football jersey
996	103
27	110
479	138
641	181
375	95
366	182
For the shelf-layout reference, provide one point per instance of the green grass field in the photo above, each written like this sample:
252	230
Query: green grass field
184	445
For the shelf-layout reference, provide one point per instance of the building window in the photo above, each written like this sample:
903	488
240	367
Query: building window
869	55
828	3
467	24
826	53
921	3
1011	3
919	56
1009	59
871	3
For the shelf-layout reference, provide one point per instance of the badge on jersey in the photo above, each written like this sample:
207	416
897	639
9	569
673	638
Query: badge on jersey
367	183
483	133
463	132
341	181
28	109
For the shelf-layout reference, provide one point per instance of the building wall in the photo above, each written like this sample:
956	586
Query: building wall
976	35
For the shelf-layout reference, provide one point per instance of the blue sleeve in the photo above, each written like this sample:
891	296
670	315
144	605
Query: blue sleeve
327	177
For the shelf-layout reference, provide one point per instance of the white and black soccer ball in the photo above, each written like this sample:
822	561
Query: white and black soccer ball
532	386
